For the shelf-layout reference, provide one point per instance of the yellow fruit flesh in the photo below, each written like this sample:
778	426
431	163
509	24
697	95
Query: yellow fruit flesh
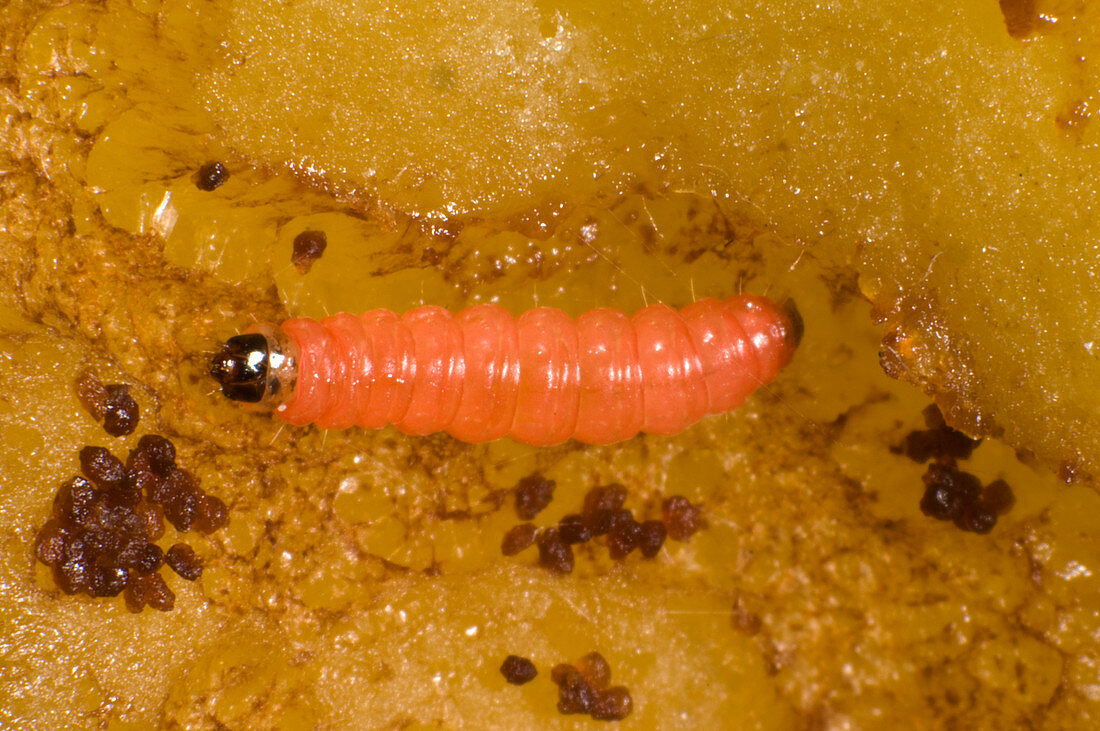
663	155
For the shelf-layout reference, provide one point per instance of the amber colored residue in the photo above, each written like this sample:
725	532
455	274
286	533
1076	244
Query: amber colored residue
1020	17
1075	119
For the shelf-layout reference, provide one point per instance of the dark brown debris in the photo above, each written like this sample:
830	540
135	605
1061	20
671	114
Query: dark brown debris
1021	17
603	514
612	704
603	498
154	454
181	558
518	538
623	537
149	590
583	688
554	553
213	514
92	394
939	441
112	404
595	669
1068	471
211	176
518	670
102	467
651	537
743	619
308	248
121	417
575	693
573	529
101	538
533	494
951	493
681	518
997	497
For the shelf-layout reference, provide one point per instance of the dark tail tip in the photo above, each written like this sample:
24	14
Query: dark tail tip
797	326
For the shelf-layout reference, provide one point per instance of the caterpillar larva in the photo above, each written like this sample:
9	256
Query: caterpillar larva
541	378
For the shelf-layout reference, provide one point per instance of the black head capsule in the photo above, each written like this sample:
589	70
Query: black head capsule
241	367
258	368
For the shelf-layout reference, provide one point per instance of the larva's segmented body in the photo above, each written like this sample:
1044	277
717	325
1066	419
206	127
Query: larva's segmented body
540	379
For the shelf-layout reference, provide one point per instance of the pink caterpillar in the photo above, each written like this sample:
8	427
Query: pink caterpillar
540	379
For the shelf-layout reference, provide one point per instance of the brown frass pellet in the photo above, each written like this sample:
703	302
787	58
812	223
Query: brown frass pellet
181	558
122	415
213	514
582	688
101	537
973	517
554	553
951	494
152	516
154	454
962	484
575	693
997	497
681	518
623	537
150	590
612	704
651	537
603	497
518	538
50	543
180	498
92	394
211	176
72	503
595	668
102	467
163	489
518	670
308	248
939	441
605	520
533	494
96	541
946	490
921	446
572	529
112	404
107	580
933	417
143	556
